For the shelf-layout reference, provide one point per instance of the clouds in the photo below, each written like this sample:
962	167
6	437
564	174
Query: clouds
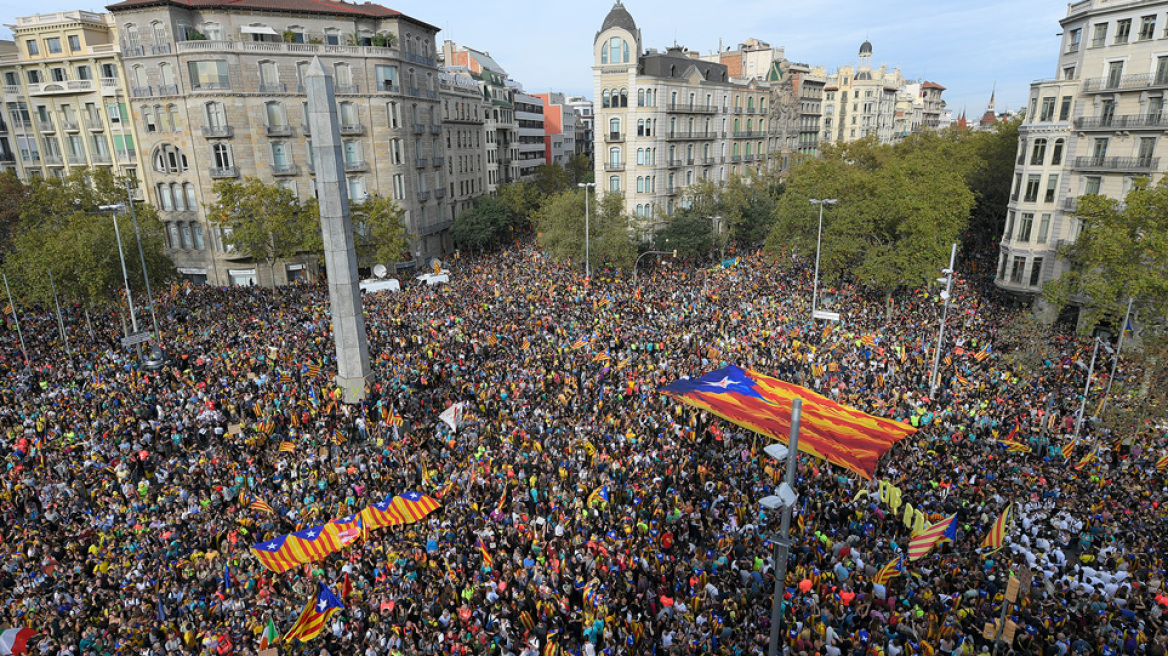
965	46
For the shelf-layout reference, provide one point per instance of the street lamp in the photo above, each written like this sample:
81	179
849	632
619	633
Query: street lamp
945	296
1118	350
786	499
673	253
587	234
113	209
818	245
1087	387
141	258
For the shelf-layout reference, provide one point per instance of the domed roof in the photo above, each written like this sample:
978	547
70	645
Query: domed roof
620	17
865	48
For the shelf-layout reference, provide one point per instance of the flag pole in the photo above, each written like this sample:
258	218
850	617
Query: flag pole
783	542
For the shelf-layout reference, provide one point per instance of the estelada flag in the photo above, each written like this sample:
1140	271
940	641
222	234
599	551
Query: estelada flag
287	447
997	535
316	612
841	435
922	543
261	505
1162	464
413	506
487	560
893	569
305	546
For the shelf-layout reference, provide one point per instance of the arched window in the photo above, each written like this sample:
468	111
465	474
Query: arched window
640	127
750	103
172	112
163	119
614	156
640	156
166	72
747	149
168	159
164	198
1038	152
139	77
1056	153
649	126
640	185
132	38
216	114
749	125
159	32
640	97
625	51
737	125
614	183
614	127
221	153
604	54
614	50
605	99
734	152
624	97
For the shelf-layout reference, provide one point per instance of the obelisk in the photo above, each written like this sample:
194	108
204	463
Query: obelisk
340	256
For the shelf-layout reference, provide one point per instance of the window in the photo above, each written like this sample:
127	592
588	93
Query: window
399	188
274	116
179	205
1122	30
216	115
269	76
33	48
280	158
605	99
1065	109
624	97
386	78
209	75
131	32
1091	185
614	128
614	156
148	119
1025	226
1051	188
395	151
1056	153
1038	152
53	45
221	153
348	114
296	32
198	230
357	192
192	204
640	97
164	197
1047	109
1032	184
83	73
1017	269
1073	40
618	51
34	76
1035	271
1147	150
391	111
614	183
332	36
1099	150
74	43
1161	70
352	152
1043	228
1009	226
1147	27
1099	35
1068	72
58	74
344	75
168	159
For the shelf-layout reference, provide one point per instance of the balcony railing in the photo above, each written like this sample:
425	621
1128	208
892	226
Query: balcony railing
672	190
127	156
217	131
53	160
418	59
439	193
1126	122
45	125
614	166
356	165
439	161
100	158
224	172
681	134
352	128
435	129
211	86
75	160
272	87
421	162
614	137
7	158
278	130
65	86
1125	82
423	196
208	45
283	169
94	125
389	87
419	128
347	88
70	126
748	134
1116	163
673	163
692	107
142	92
168	90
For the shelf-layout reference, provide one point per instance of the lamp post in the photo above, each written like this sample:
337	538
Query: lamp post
1118	351
16	320
818	245
587	234
673	253
945	296
786	498
1086	388
125	276
142	260
60	321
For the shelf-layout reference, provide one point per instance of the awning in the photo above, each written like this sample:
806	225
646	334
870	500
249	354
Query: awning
257	29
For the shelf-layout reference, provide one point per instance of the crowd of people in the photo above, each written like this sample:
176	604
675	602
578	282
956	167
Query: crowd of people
127	495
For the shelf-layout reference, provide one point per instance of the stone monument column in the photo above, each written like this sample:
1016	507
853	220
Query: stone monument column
340	256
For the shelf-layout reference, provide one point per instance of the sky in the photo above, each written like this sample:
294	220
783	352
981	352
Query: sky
970	47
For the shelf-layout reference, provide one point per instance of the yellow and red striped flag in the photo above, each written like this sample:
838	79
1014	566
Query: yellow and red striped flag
287	447
261	505
526	344
487	560
313	370
893	569
922	543
1089	458
1162	464
1069	448
315	614
394	418
997	535
579	343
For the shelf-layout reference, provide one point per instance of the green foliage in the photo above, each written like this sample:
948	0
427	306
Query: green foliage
522	200
13	195
265	222
1122	253
379	230
484	226
899	209
83	190
579	168
746	205
689	233
991	181
560	222
551	179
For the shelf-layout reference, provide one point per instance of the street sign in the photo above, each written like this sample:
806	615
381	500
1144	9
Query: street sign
825	315
136	338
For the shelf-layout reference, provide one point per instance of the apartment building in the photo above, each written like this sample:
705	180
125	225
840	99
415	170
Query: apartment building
502	151
809	86
217	90
1094	128
64	97
530	137
666	120
559	120
860	101
464	112
585	135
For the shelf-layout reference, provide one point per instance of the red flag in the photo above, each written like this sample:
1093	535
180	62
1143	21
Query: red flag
346	587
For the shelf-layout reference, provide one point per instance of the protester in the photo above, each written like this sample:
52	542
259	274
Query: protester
126	499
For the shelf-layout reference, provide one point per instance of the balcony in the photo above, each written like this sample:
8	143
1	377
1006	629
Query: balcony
748	135
57	88
168	90
272	87
691	135
736	158
423	196
94	125
440	192
419	128
53	160
133	51
1124	83
672	190
614	137
415	92
45	125
352	128
418	59
217	131
11	90
388	87
347	88
1128	122
435	129
673	163
1116	163
127	156
356	165
439	161
142	92
100	158
70	126
737	110
691	108
421	162
211	86
614	166
283	169
224	172
278	130
75	159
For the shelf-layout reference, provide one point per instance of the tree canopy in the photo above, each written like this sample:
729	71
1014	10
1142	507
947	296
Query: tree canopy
1121	253
560	222
484	226
264	222
379	230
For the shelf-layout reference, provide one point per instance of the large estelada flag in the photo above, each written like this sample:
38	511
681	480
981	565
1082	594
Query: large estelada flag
841	435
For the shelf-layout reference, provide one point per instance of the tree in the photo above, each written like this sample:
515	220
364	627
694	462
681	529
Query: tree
688	232
1121	253
265	222
898	210
379	230
483	226
13	195
83	190
991	181
579	169
551	179
522	200
560	222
